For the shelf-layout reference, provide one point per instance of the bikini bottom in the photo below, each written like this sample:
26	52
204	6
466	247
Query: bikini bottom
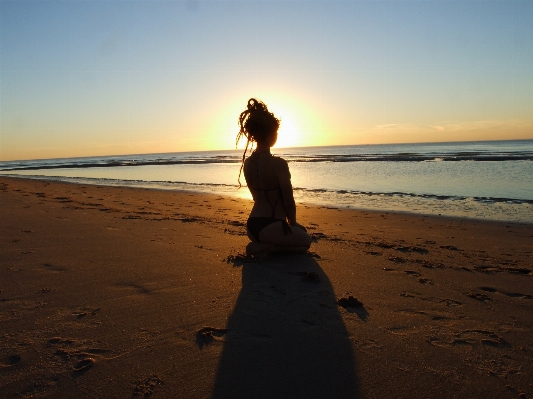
256	224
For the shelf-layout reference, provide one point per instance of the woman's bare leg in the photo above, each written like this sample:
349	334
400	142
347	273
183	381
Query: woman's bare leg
257	248
274	234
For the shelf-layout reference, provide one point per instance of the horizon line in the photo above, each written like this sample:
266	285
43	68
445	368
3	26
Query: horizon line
274	148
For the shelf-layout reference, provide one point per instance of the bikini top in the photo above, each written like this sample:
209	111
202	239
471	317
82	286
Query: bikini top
265	191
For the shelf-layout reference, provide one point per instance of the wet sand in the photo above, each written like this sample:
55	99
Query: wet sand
118	293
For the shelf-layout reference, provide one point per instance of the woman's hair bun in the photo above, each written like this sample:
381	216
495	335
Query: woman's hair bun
255	105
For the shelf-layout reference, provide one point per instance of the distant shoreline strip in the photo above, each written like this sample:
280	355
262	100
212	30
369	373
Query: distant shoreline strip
36	165
179	185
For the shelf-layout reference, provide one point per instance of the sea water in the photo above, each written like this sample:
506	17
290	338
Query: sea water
487	180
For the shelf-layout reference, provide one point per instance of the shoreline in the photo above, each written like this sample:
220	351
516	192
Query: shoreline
230	192
121	292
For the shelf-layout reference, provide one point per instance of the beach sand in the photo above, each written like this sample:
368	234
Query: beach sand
119	292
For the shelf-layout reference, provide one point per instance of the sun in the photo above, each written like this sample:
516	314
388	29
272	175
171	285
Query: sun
288	133
299	123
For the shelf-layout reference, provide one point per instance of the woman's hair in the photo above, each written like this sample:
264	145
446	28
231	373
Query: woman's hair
256	124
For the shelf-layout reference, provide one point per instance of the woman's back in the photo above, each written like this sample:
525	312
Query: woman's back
264	176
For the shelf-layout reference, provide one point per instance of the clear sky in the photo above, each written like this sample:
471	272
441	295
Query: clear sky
81	78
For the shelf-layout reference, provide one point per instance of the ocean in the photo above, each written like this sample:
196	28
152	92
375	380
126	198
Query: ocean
481	180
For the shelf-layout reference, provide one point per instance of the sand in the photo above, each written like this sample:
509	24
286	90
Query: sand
120	292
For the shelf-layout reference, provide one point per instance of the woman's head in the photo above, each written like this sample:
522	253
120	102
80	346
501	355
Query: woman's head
257	125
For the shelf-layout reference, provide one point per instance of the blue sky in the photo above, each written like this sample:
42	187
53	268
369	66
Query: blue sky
81	78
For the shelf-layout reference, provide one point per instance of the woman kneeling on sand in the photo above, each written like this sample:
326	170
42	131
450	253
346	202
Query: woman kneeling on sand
272	225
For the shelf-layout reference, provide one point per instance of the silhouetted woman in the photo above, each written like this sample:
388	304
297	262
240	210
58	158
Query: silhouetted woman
272	225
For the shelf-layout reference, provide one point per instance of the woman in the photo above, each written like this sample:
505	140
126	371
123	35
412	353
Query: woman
272	225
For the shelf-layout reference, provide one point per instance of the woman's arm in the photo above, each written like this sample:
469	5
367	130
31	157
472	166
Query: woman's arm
284	178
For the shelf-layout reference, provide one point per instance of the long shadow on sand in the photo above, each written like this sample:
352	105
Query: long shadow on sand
285	337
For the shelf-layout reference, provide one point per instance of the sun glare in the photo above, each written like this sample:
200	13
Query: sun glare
288	133
298	125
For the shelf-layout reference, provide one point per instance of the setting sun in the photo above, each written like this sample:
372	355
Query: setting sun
298	121
288	133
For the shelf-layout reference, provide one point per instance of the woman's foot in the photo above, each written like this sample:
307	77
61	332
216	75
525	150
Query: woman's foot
257	249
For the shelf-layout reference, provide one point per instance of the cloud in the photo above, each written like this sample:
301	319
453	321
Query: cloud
483	125
479	130
459	126
397	127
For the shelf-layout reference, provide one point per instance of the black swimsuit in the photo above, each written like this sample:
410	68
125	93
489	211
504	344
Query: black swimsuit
257	223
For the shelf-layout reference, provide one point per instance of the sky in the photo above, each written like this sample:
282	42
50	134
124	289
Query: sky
98	77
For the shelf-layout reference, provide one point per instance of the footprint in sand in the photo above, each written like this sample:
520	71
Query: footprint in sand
473	337
419	250
11	360
82	312
136	288
353	305
397	259
206	335
445	301
450	247
489	269
81	357
479	296
51	267
507	293
83	365
483	337
518	270
450	302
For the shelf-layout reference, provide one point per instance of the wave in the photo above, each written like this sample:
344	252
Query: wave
303	193
177	160
485	200
78	164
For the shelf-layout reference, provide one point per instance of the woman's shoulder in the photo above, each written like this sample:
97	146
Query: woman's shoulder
279	162
255	156
275	161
